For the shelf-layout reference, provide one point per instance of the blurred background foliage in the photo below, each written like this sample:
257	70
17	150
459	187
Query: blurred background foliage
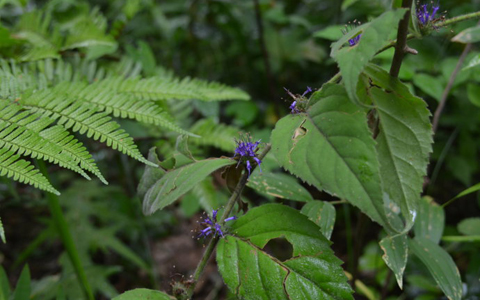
262	47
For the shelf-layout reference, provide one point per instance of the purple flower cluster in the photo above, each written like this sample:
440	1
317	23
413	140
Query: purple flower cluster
424	16
293	107
245	151
212	227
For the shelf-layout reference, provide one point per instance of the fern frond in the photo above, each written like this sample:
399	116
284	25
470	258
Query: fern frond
84	119
22	171
119	105
218	135
163	88
75	149
19	133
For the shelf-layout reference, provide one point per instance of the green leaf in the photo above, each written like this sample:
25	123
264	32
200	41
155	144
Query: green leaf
352	60
470	190
473	92
395	249
313	272
440	264
4	285
473	63
279	185
461	238
430	85
404	142
140	294
206	195
470	226
22	290
177	182
332	148
331	33
430	220
23	171
469	35
151	174
321	213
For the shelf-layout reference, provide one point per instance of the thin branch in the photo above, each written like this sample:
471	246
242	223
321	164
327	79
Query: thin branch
228	209
401	40
446	91
458	19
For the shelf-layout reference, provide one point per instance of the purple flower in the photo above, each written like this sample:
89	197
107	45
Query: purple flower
353	41
245	152
423	14
212	227
293	107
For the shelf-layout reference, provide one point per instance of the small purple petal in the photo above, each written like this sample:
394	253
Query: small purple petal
214	215
218	230
307	91
231	218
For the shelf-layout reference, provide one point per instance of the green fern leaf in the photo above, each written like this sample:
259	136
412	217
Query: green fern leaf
19	133
163	88
75	149
22	171
218	135
119	105
84	119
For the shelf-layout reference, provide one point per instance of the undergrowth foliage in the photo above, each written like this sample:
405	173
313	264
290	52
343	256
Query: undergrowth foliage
43	103
363	137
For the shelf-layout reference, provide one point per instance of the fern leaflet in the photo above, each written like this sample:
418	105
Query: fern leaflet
19	134
22	171
84	119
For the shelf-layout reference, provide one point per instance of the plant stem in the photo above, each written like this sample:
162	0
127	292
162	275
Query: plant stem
458	19
228	209
446	91
66	237
401	40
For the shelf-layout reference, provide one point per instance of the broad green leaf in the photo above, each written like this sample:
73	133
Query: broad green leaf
403	143
313	272
352	60
177	182
469	35
332	148
430	220
321	213
470	226
395	255
278	185
151	174
143	294
440	264
23	288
